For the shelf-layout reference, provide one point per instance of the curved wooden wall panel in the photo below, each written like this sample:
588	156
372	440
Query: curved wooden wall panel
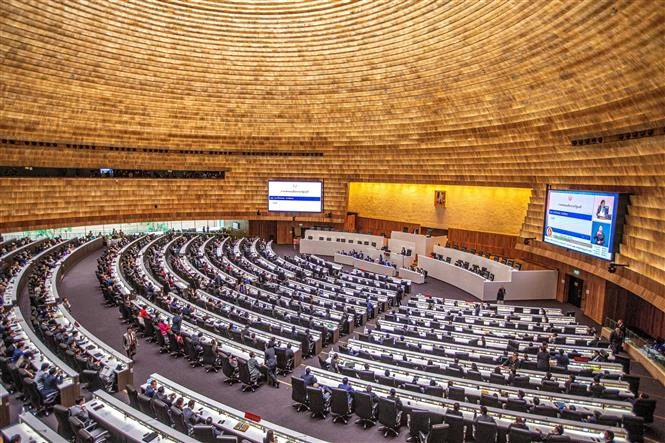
470	93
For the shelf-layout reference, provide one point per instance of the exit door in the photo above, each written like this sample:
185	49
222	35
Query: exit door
574	290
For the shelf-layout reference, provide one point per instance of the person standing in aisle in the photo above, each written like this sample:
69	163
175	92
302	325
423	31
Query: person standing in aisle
130	342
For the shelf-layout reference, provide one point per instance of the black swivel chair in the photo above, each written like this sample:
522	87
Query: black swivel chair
490	401
456	393
229	371
518	405
339	406
64	428
133	396
299	394
162	412
550	386
436	391
204	433
485	432
248	383
634	425
644	408
547	411
210	358
317	402
284	364
518	435
418	424
40	404
456	428
92	432
437	434
179	420
389	416
365	409
145	405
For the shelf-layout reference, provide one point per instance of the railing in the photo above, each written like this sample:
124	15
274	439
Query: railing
650	348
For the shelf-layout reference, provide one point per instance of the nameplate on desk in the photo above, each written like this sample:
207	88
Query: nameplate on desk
241	426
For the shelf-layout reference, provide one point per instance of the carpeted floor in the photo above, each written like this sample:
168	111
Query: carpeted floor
81	287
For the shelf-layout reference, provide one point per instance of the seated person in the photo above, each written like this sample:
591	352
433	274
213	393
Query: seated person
215	430
189	415
455	410
308	378
484	416
50	382
348	388
79	411
161	396
151	388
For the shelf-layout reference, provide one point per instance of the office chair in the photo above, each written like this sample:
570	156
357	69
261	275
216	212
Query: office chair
498	379
192	353
386	381
485	432
179	420
93	432
339	406
229	371
85	436
522	381
366	375
644	408
490	401
133	396
456	427
284	364
64	428
518	435
365	409
578	389
248	384
418	424
40	404
550	386
413	387
299	394
634	425
205	434
389	416
145	405
436	391
438	433
161	342
210	358
547	411
474	375
518	405
456	393
317	402
162	412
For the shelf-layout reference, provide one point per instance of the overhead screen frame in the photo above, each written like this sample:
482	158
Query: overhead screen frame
320	182
618	212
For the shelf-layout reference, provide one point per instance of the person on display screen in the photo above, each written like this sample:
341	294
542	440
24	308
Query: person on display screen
603	211
599	237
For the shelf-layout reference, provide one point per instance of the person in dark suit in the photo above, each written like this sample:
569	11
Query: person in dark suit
484	416
603	211
308	378
253	367
543	359
270	359
518	424
189	415
372	395
348	388
455	410
393	396
50	382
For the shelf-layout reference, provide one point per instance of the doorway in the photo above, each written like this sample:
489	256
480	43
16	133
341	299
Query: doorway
574	290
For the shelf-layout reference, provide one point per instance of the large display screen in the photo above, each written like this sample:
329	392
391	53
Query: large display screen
583	221
295	196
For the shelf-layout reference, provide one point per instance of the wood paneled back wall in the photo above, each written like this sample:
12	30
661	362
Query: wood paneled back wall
458	93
